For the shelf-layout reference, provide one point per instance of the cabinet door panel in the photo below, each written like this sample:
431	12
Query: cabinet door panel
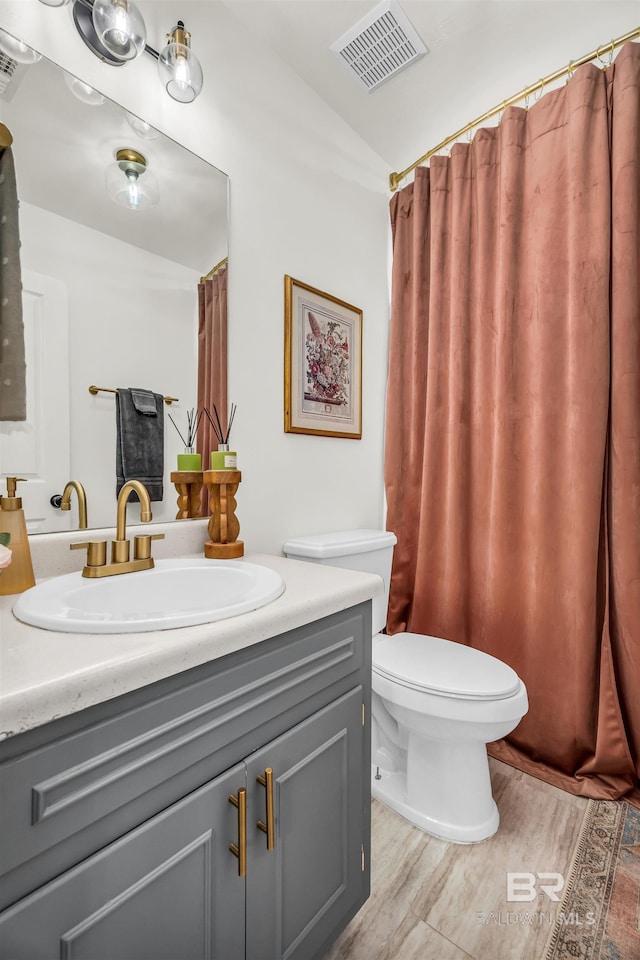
299	892
168	889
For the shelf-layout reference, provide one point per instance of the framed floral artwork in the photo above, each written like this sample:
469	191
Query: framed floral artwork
322	363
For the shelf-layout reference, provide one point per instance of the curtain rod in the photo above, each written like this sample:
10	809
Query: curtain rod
396	178
208	276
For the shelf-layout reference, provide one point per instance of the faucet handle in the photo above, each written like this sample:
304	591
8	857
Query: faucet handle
142	545
96	551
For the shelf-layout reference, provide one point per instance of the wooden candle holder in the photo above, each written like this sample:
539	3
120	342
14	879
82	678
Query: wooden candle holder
188	483
223	524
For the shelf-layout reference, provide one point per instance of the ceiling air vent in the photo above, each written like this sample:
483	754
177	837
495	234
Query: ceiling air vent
379	46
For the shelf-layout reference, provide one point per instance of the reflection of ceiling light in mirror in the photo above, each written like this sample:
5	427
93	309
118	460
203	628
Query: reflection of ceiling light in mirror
141	127
17	50
83	91
120	27
178	66
129	181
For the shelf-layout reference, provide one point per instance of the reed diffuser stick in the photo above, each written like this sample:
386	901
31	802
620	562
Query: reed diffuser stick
222	435
214	426
193	422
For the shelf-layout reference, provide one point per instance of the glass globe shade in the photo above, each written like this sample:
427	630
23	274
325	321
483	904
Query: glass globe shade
17	50
180	72
120	28
83	91
144	130
131	184
55	3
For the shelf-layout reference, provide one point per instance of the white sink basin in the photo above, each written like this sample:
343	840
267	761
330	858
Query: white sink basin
175	593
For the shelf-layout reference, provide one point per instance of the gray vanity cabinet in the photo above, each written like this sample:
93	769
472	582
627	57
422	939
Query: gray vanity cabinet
115	835
162	892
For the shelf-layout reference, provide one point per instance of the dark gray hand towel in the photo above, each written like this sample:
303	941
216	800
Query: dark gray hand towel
13	395
140	440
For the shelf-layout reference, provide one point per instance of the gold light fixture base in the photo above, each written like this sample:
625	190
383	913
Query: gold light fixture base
127	155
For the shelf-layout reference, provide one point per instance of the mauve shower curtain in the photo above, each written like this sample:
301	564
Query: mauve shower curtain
212	364
512	464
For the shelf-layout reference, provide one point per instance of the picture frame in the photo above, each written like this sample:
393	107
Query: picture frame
322	363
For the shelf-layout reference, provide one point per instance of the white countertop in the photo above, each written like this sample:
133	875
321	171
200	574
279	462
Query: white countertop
45	675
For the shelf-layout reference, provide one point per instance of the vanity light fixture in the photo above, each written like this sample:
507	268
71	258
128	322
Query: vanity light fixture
83	91
125	183
178	67
17	50
119	27
114	30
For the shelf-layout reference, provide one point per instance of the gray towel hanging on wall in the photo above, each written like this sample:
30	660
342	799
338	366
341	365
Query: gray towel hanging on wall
140	439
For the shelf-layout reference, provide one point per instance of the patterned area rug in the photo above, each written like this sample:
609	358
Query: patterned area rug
600	914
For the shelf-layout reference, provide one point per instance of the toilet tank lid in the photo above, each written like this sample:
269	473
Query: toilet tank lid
322	546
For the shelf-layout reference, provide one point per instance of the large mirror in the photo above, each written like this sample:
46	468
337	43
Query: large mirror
110	292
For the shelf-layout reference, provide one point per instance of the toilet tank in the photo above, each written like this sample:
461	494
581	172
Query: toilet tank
370	551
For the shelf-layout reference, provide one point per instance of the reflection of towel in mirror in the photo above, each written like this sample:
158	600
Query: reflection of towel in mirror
140	440
13	397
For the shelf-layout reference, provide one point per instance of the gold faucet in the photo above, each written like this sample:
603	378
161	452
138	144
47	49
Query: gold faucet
120	546
65	503
96	565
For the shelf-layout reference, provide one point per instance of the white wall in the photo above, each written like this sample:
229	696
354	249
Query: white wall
140	327
308	199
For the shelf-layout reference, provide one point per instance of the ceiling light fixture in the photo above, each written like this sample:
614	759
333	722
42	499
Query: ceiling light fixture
124	182
114	30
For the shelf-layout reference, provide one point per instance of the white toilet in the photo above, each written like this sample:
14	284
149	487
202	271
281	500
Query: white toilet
435	706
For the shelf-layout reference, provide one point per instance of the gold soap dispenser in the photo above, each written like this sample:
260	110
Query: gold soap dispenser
18	576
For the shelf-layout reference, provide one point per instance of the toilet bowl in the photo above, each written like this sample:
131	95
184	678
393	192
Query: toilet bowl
435	706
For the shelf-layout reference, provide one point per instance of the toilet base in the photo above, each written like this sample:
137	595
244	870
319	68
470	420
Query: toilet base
391	789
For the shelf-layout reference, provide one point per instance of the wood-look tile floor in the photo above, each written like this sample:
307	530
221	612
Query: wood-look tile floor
432	900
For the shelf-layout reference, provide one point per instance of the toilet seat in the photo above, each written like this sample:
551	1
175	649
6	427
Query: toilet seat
442	667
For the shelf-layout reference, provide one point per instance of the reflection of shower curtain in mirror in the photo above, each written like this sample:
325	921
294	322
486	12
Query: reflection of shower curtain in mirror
212	361
12	362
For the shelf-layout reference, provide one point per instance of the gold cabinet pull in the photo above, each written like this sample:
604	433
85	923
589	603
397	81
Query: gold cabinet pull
239	849
269	827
